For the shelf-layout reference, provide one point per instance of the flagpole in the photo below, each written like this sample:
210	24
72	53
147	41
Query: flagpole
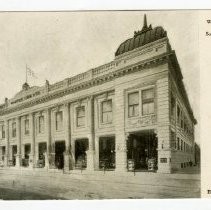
26	73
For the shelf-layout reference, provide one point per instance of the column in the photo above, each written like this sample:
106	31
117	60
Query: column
67	153
18	156
97	138
6	158
163	128
90	152
32	136
48	155
121	143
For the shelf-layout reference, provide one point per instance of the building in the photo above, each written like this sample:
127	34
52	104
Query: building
130	114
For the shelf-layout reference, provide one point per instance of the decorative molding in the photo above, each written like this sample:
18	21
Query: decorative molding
93	82
142	121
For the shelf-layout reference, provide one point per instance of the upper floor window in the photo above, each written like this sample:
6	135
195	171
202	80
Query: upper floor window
107	111
173	140
14	129
178	114
26	126
133	104
80	114
41	124
59	120
148	101
2	131
178	142
173	106
181	145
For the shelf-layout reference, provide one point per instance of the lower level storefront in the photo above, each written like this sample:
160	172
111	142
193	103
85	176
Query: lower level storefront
142	154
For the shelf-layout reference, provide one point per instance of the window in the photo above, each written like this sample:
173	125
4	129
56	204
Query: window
178	114
173	103
2	131
182	120
163	160
107	111
13	129
41	124
178	146
133	104
148	101
181	145
173	140
26	126
80	111
59	120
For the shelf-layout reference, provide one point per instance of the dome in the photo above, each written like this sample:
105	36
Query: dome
141	38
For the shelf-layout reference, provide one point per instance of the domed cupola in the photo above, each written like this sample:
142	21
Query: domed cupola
141	38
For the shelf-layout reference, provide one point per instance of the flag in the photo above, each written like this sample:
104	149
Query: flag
31	73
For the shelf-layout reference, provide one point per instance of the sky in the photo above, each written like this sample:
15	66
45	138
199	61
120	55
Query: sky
57	45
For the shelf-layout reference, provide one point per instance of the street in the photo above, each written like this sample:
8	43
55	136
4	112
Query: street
40	184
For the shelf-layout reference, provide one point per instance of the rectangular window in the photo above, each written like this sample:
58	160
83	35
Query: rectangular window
26	126
178	114
2	132
181	145
163	160
133	104
173	106
182	120
41	124
148	101
59	120
80	112
13	129
173	140
107	111
178	146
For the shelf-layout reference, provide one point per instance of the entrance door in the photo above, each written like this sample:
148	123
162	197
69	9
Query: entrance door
14	153
59	156
81	146
27	151
107	152
42	150
142	149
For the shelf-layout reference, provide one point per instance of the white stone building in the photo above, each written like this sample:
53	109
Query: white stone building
130	114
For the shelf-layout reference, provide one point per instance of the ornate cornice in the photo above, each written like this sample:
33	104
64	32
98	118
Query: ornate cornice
90	83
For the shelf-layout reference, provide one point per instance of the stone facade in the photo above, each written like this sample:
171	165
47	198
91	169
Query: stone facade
69	114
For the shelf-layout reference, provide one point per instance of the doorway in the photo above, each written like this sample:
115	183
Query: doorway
14	153
81	146
59	154
142	150
107	153
42	148
27	151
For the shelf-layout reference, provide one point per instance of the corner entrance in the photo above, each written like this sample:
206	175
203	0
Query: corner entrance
142	151
59	154
81	146
42	147
107	153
